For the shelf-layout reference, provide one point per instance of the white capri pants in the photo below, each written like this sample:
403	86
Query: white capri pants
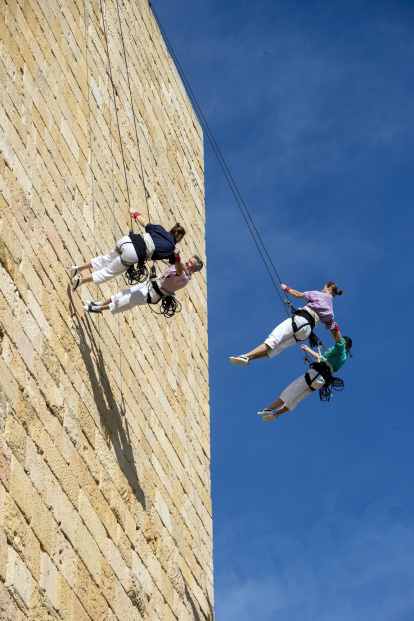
299	389
282	336
133	296
110	266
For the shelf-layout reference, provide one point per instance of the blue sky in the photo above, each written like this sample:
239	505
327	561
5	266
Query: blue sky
312	106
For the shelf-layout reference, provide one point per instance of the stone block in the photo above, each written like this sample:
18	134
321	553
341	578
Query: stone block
48	578
41	522
93	523
5	464
15	436
32	554
163	511
9	610
3	554
13	524
41	608
18	580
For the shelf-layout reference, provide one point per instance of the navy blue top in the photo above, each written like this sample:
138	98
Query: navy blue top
164	242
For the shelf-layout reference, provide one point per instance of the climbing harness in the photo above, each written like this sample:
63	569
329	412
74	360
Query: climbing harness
169	303
314	341
331	382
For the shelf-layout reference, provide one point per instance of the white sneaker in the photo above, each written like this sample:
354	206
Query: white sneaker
239	360
92	303
76	282
265	412
269	417
73	270
92	309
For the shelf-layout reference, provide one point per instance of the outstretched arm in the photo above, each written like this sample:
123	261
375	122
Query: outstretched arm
138	217
179	267
336	333
296	294
310	351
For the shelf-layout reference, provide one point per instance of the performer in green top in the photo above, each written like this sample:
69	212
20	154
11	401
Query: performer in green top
319	377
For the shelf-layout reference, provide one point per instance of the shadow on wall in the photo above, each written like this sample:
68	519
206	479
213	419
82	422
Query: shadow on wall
112	414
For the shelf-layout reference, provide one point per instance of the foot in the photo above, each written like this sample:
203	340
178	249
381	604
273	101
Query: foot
76	281
265	412
90	308
73	270
239	360
91	303
269	417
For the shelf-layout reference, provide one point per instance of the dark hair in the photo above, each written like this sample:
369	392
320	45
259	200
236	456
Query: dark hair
348	345
199	265
334	287
177	230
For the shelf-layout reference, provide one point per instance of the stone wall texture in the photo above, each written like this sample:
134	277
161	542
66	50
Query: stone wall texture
105	507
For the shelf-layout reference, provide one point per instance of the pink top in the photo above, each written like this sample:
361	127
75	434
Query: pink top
171	282
322	304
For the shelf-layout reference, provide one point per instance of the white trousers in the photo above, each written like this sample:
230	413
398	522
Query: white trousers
299	389
110	266
133	296
282	336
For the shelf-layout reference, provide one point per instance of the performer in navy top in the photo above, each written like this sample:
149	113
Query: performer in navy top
156	243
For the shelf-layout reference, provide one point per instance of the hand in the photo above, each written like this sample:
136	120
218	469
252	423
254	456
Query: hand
283	287
304	347
131	211
177	251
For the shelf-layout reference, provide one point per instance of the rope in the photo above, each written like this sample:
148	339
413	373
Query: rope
132	107
116	111
86	21
229	178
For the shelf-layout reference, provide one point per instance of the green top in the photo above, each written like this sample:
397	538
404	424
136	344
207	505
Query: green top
336	356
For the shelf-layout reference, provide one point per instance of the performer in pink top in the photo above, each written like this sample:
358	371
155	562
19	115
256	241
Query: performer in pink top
319	308
174	278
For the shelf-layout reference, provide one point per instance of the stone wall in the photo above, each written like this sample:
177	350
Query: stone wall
105	508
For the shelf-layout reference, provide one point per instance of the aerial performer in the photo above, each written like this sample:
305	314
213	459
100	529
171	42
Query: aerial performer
156	243
175	277
319	377
319	308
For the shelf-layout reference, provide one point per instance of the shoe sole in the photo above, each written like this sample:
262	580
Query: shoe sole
238	361
269	418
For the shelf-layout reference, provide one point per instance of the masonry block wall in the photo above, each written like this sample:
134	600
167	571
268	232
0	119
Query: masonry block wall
105	508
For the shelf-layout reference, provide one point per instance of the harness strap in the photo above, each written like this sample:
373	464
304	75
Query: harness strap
158	291
331	382
310	322
119	251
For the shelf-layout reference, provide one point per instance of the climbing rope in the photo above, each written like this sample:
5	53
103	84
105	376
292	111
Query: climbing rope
116	111
223	165
169	306
132	107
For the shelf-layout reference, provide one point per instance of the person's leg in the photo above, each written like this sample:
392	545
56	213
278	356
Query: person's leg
268	349
258	352
85	266
274	410
292	395
128	298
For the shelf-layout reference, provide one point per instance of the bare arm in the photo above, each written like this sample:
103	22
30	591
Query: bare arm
296	294
138	218
179	267
310	351
336	333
